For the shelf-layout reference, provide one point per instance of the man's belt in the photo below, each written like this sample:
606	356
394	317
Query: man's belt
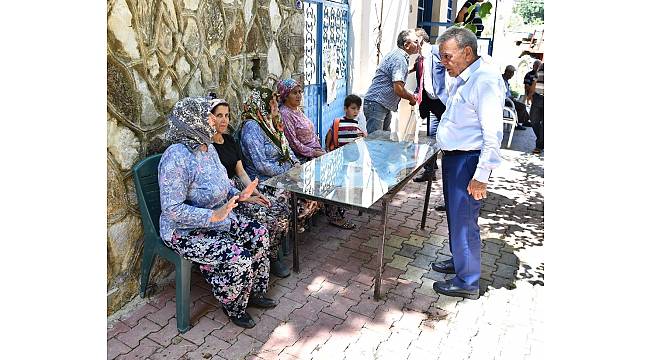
459	152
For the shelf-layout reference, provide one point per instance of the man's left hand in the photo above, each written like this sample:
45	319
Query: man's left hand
477	189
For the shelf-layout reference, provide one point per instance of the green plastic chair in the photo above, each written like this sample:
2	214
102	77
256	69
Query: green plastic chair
145	175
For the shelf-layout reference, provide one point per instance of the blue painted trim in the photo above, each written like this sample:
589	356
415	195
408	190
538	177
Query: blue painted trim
329	3
435	23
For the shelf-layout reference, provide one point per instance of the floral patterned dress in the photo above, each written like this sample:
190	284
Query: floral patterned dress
233	253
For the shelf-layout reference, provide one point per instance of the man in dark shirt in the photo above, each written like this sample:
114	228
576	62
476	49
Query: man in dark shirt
529	79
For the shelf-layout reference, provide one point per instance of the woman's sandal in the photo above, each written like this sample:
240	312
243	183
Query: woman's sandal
343	224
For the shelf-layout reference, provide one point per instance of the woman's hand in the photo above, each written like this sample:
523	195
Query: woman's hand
259	199
221	213
246	193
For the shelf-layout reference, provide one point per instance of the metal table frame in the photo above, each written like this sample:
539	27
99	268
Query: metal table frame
385	200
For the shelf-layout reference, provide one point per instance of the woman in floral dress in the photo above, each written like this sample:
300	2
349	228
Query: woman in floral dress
264	206
302	139
196	217
265	150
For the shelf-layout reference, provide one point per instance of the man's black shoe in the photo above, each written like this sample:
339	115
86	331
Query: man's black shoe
519	127
425	177
245	321
528	124
446	266
440	208
449	289
261	302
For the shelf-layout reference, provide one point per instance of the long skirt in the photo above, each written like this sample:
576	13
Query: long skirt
276	217
234	262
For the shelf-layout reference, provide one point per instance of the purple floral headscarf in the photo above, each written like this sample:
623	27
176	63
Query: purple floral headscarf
188	122
285	87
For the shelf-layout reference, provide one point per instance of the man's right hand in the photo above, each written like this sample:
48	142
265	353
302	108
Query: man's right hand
221	213
412	100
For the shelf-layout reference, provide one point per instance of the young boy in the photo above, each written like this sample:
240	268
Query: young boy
346	129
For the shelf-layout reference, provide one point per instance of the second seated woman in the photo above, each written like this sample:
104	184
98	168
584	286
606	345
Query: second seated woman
302	138
265	150
263	205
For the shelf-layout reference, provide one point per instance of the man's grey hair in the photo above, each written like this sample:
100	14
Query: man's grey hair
510	68
462	36
403	36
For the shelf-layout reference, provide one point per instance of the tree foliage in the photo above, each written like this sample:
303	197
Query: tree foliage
532	11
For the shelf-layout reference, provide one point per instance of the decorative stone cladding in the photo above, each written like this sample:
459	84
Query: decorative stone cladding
160	51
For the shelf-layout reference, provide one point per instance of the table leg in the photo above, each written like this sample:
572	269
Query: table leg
294	233
426	204
380	251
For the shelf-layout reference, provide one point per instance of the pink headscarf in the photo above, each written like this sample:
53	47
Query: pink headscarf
285	87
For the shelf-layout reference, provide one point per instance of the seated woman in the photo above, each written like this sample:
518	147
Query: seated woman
263	207
265	150
197	221
302	138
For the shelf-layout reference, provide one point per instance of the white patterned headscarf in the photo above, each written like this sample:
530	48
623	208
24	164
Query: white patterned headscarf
188	122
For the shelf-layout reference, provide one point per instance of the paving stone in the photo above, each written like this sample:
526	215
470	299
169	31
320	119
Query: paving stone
340	306
143	328
228	332
415	240
413	274
174	351
422	261
389	252
117	328
201	329
429	250
396	241
142	351
399	262
209	350
283	309
115	347
242	347
162	316
408	251
132	319
263	328
311	309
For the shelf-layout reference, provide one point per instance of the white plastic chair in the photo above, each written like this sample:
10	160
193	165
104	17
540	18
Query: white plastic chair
510	118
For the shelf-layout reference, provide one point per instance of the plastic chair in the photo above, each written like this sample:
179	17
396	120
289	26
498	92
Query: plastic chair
145	176
510	117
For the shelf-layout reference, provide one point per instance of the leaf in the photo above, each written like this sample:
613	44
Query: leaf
471	8
470	27
484	10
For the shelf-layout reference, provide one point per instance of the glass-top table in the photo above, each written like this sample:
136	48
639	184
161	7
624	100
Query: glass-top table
357	176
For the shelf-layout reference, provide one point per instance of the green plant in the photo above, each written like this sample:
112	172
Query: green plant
532	11
483	12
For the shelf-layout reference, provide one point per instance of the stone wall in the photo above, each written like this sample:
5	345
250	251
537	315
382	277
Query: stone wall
160	51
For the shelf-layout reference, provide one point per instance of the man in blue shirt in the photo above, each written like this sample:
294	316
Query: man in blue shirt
469	135
387	86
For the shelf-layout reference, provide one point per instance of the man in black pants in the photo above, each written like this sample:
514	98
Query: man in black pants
431	83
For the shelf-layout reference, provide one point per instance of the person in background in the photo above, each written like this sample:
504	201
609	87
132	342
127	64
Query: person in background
529	81
537	110
469	135
520	108
264	206
430	89
465	17
196	218
387	87
303	140
346	129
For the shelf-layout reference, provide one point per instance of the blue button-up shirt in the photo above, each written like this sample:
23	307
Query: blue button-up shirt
394	67
474	116
438	75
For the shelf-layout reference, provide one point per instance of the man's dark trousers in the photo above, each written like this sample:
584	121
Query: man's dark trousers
462	217
436	107
537	119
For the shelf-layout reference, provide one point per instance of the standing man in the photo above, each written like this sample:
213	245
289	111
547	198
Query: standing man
529	80
469	135
431	89
387	86
522	114
537	110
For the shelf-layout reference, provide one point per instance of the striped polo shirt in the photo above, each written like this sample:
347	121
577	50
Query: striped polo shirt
394	67
348	131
